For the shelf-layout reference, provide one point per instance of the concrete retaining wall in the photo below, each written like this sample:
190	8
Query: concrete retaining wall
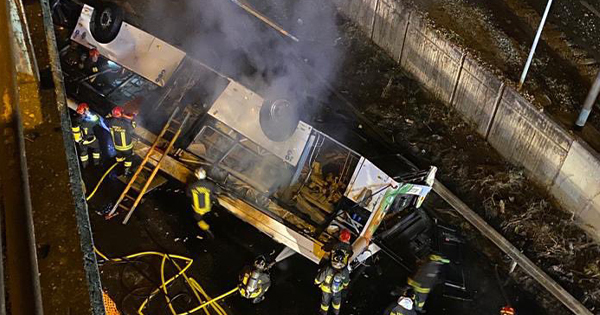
569	169
578	183
477	96
528	138
434	62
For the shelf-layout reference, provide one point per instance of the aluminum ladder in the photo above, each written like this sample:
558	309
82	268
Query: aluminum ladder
142	178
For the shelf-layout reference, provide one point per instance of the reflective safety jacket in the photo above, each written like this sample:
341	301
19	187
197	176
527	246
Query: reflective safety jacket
325	279
202	193
254	283
426	277
121	130
83	131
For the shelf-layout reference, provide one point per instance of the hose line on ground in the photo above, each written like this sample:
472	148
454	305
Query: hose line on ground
100	181
191	282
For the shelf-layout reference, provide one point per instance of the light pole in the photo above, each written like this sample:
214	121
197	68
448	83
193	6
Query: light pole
589	103
535	43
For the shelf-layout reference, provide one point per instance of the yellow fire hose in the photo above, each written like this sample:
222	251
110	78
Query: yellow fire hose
192	283
100	181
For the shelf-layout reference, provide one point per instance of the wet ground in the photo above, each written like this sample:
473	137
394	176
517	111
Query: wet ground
164	223
500	34
416	126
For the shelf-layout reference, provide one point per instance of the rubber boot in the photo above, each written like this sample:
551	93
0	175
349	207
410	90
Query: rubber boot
86	162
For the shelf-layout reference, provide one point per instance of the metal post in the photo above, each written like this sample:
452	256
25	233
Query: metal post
535	43
589	103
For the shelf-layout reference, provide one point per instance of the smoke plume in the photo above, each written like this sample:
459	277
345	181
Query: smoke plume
224	36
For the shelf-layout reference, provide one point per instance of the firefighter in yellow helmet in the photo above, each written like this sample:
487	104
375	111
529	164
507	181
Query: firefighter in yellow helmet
255	281
121	128
332	279
202	193
85	135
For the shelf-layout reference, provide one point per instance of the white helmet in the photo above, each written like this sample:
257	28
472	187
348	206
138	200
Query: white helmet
406	302
200	173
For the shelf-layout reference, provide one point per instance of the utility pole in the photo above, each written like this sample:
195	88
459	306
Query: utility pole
589	103
535	43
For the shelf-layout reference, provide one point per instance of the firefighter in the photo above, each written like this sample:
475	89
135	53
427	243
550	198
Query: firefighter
332	280
404	305
425	279
89	61
343	243
85	135
255	281
121	130
202	192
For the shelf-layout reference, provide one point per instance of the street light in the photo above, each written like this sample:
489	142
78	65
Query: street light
535	43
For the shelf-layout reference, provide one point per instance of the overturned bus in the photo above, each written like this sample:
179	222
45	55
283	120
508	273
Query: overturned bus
287	179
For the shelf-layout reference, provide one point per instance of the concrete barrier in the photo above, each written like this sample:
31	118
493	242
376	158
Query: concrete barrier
362	12
577	186
389	28
432	60
528	138
569	169
477	96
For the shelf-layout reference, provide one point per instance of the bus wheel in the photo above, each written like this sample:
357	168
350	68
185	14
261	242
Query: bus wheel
278	119
106	22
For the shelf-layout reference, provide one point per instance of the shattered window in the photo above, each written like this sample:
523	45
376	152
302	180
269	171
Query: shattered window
211	144
129	88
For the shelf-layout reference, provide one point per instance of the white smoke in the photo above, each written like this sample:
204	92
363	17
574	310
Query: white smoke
221	34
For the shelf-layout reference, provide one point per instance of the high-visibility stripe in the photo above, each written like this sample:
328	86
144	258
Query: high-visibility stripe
86	142
124	148
127	163
84	158
123	139
417	287
120	159
336	306
196	199
76	133
325	307
96	155
325	288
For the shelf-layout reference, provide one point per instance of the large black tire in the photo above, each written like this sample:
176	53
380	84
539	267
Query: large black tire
106	22
278	119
